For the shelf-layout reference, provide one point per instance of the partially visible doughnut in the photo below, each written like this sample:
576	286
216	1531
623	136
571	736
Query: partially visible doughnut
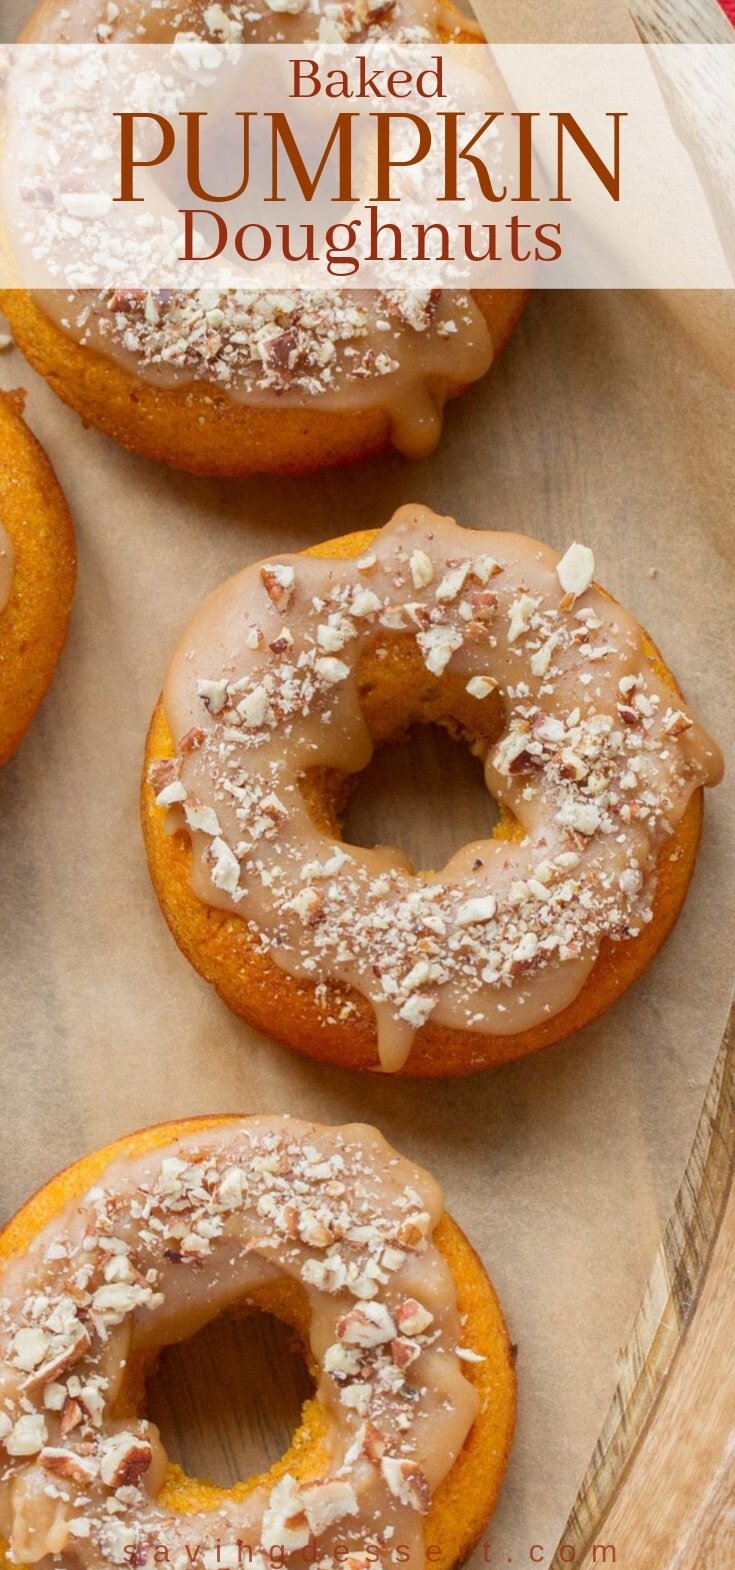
199	428
155	374
37	573
549	920
330	1230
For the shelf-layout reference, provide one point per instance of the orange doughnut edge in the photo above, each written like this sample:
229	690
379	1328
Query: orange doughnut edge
201	429
223	951
464	1501
33	623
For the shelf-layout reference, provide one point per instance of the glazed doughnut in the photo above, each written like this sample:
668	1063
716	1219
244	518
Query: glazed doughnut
37	573
226	383
282	685
406	1439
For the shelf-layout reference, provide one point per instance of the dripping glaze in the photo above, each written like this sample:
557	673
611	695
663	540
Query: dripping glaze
594	758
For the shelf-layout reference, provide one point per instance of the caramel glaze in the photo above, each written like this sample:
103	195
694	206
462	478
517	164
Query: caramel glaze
162	1244
593	758
442	346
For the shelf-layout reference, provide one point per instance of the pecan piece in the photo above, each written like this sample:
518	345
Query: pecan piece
125	1460
161	773
66	1463
403	1352
412	1318
279	580
192	741
71	1415
58	1362
676	723
280	352
367	1326
407	1483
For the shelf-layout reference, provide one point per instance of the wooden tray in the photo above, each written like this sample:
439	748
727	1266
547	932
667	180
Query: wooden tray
660	1483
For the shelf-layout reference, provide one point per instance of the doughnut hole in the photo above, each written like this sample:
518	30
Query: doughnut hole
423	792
398	694
228	1401
235	1414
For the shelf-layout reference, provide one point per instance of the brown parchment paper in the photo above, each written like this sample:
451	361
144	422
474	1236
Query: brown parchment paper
598	424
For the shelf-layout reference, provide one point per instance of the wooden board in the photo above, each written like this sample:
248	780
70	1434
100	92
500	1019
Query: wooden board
660	1484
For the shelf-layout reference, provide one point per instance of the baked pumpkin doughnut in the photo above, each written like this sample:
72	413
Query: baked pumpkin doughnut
282	685
406	1439
282	381
37	573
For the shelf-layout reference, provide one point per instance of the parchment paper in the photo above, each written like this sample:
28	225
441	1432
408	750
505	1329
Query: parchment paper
600	425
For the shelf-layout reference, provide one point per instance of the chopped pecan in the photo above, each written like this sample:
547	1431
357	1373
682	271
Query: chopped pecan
68	1464
412	1232
71	1415
484	605
162	773
192	741
676	723
373	1442
278	580
128	300
280	352
412	1318
407	1483
125	1460
404	1352
369	1325
58	1362
524	763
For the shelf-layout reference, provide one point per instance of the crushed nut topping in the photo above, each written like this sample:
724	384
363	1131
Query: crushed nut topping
271	344
592	759
199	1225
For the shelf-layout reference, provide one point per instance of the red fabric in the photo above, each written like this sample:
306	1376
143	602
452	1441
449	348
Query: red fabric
728	7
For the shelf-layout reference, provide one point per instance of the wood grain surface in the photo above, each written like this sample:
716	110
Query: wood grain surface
659	1488
455	807
686	21
675	1508
227	1401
